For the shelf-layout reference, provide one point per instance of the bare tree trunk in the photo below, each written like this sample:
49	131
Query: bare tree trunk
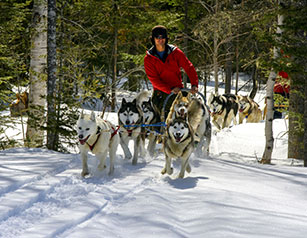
228	75
305	126
52	136
113	106
255	83
237	66
185	49
267	154
215	56
37	94
205	80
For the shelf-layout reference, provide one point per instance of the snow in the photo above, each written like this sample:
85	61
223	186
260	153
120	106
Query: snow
227	194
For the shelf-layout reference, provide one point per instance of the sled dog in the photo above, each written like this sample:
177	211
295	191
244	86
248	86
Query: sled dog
249	109
179	106
178	143
20	105
99	137
198	116
151	116
224	109
130	117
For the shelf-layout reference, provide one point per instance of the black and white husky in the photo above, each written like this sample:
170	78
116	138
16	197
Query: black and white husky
178	143
130	119
224	109
151	116
98	136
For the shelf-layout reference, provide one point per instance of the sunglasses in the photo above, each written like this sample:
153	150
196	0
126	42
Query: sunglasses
160	37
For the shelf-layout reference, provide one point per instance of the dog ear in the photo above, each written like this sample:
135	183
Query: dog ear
210	97
179	95
124	101
81	114
93	117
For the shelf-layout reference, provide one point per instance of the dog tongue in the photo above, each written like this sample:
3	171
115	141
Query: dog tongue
178	138
82	142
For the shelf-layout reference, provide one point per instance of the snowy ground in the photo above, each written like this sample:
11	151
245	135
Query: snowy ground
227	194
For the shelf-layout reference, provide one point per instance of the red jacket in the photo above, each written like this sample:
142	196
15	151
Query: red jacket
282	83
165	76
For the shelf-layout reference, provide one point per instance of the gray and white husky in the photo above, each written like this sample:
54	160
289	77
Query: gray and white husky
224	109
130	117
178	143
196	111
99	137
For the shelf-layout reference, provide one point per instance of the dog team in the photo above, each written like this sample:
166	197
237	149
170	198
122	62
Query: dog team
187	128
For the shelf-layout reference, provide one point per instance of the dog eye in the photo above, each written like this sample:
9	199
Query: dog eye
182	127
87	129
80	128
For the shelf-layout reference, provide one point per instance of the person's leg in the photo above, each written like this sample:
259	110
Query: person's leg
158	99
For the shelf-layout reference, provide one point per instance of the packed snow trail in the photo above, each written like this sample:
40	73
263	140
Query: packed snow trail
43	195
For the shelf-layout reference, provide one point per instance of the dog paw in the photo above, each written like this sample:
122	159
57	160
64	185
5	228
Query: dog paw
111	172
128	157
84	173
170	172
101	167
163	171
188	168
134	161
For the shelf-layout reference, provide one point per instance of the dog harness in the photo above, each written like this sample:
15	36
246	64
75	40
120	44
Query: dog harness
115	130
93	145
248	112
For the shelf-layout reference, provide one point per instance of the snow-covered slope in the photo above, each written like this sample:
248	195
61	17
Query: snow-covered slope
227	194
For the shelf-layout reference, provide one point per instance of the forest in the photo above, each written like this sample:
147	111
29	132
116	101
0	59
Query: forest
64	52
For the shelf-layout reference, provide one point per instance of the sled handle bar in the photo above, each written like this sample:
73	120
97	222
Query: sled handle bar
167	98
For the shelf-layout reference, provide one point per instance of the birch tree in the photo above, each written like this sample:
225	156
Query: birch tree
37	92
269	139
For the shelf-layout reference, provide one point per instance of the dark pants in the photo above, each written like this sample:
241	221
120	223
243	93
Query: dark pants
158	99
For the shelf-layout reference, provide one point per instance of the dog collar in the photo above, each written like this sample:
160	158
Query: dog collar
218	113
129	132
